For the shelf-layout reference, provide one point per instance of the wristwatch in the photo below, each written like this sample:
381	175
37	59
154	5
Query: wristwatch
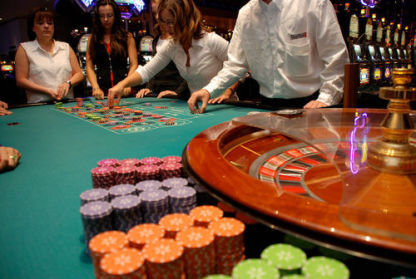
69	83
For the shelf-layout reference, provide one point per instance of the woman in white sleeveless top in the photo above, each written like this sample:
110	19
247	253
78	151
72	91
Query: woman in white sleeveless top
46	68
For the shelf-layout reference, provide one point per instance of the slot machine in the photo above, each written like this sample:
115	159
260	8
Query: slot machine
381	53
82	51
358	55
376	71
145	49
404	53
396	55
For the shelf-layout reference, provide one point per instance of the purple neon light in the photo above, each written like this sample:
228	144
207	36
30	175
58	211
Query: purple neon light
363	117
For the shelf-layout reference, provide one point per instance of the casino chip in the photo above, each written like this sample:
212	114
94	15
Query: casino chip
284	256
175	223
325	268
254	269
126	263
94	195
143	234
205	214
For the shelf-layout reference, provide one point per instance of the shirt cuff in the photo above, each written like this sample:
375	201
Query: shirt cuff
143	73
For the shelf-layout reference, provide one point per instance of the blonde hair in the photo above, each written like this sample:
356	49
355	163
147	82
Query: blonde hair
187	20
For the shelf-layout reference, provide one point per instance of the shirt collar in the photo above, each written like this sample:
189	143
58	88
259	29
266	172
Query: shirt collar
56	46
273	4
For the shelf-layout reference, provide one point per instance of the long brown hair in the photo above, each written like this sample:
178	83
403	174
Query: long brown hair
188	20
118	38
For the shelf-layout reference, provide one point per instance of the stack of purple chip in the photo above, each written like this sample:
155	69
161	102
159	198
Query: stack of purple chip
148	185
182	199
126	212
155	205
173	182
92	195
121	190
96	218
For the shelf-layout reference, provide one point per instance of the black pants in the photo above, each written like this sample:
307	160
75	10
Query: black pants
277	103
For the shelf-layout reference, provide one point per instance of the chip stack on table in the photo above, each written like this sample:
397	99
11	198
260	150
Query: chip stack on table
155	205
109	163
148	185
172	159
102	177
199	253
125	175
325	268
205	214
121	190
175	223
164	259
123	264
285	257
92	195
182	199
168	170
96	218
126	212
229	243
151	161
141	235
130	162
147	172
173	182
254	269
105	243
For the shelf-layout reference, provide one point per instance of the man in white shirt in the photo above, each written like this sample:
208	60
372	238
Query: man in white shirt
293	48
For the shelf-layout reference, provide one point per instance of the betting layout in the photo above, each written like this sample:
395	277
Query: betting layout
130	116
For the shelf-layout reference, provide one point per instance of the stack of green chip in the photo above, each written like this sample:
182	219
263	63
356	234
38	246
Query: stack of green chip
325	268
58	105
287	258
254	269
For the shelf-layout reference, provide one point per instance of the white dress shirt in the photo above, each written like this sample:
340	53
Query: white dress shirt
49	70
292	47
206	60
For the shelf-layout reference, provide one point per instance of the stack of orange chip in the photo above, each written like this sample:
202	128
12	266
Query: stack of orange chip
124	264
164	259
174	223
205	214
199	251
104	243
229	243
143	234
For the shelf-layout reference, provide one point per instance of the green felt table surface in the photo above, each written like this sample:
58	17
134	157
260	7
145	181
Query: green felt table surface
41	234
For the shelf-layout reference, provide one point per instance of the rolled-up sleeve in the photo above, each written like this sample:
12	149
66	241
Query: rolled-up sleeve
333	52
156	64
235	66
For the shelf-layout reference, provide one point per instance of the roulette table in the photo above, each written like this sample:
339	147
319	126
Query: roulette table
306	172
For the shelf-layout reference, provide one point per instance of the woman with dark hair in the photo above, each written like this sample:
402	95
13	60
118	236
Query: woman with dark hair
197	54
110	50
46	68
168	81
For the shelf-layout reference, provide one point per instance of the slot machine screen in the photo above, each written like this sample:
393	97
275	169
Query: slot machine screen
357	51
382	53
372	52
377	74
364	76
399	55
146	44
405	53
147	58
387	72
83	43
391	53
7	68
